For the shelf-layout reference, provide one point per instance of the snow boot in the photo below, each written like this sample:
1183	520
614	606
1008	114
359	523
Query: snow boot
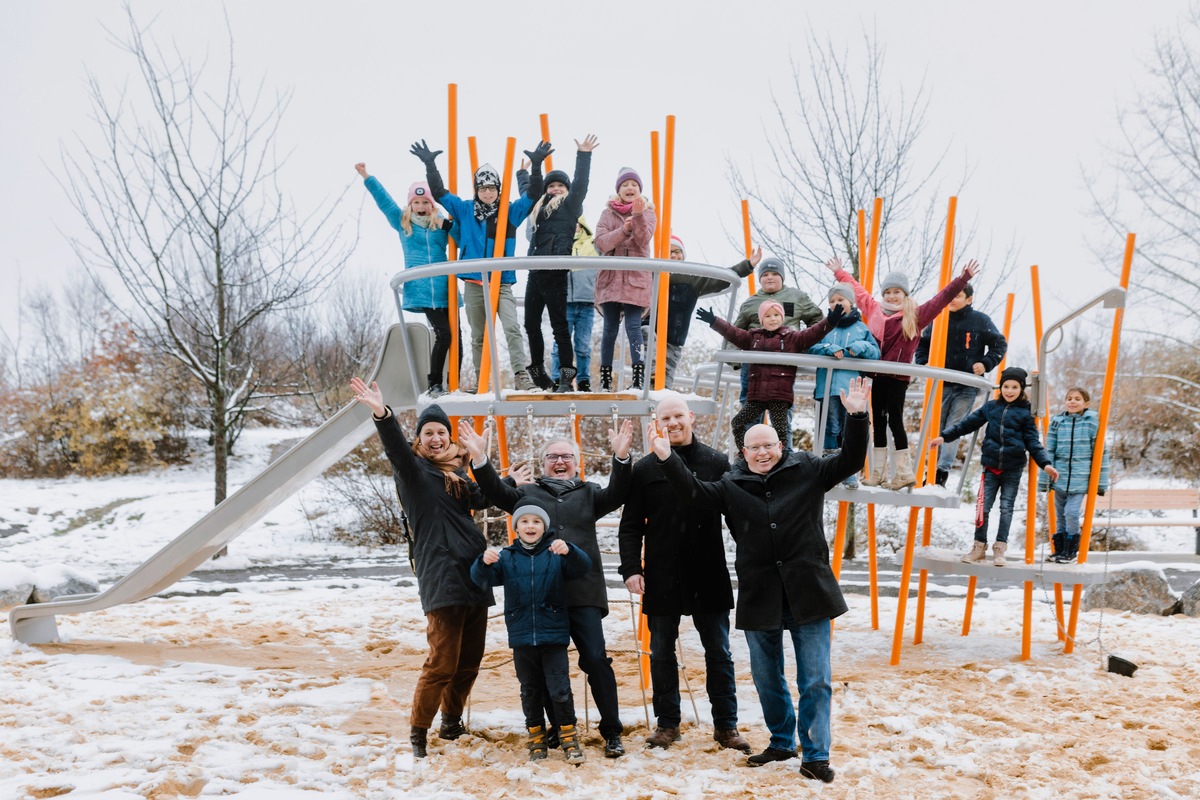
417	737
583	385
1059	548
663	737
904	476
536	742
452	728
998	551
606	384
943	475
977	555
540	378
879	457
566	377
730	739
523	381
818	771
1071	548
570	744
639	375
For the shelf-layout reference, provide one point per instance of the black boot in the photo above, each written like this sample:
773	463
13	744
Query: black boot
583	385
606	384
543	381
639	375
941	477
1059	545
452	728
417	737
436	389
566	376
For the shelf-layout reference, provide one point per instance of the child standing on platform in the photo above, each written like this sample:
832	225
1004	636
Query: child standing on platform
626	228
533	571
1071	441
1011	433
896	322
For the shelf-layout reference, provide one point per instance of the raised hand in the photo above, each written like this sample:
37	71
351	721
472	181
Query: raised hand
475	443
522	474
659	445
833	264
705	315
538	154
836	314
756	256
639	204
362	170
524	164
972	268
370	396
590	143
422	151
621	440
855	400
490	556
559	547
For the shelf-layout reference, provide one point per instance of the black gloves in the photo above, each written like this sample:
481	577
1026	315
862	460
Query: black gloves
539	153
422	151
705	315
835	315
1100	492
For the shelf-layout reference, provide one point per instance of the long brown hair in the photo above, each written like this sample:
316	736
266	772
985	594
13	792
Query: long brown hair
449	461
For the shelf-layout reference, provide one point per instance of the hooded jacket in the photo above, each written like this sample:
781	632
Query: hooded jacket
971	339
535	600
798	308
1011	433
423	246
686	290
854	339
554	235
770	382
624	286
1070	442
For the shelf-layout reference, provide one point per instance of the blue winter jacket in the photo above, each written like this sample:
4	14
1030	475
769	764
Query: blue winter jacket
971	338
1011	432
1070	442
535	597
473	240
855	339
423	246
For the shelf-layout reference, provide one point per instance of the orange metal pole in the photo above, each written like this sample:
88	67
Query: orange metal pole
1045	420
873	566
1031	500
1008	313
1110	374
452	255
839	538
966	628
873	245
747	243
473	152
544	119
505	463
664	280
485	362
655	186
579	444
859	260
905	577
643	638
922	583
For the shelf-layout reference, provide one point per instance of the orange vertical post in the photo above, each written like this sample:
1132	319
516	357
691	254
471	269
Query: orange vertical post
873	245
655	185
485	361
1110	374
544	119
579	444
664	280
452	282
902	595
1031	501
473	153
746	243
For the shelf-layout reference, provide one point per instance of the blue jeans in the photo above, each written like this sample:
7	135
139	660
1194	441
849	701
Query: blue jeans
588	634
720	682
814	683
612	324
835	422
1068	508
580	319
1006	483
956	404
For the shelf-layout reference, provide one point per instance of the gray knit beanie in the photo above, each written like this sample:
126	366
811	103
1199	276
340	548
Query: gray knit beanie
842	289
895	280
529	505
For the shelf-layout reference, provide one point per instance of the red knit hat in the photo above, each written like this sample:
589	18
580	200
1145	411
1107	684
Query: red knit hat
677	242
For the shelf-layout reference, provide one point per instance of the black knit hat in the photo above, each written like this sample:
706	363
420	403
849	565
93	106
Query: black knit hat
432	413
1014	374
558	176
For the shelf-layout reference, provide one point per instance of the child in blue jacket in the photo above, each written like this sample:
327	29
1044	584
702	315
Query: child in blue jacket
1071	442
424	233
849	338
533	571
1011	433
478	218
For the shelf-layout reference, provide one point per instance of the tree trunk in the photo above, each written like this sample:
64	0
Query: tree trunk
848	551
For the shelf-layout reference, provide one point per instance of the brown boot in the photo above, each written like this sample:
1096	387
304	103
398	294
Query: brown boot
998	551
418	738
904	476
730	739
662	737
977	555
879	457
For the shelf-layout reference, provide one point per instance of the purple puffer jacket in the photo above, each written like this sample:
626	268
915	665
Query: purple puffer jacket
624	286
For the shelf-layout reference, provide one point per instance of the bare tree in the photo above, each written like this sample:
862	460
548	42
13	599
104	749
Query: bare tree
183	205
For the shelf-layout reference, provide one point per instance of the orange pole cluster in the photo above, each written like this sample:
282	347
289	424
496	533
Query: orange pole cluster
747	243
485	362
544	119
452	291
664	250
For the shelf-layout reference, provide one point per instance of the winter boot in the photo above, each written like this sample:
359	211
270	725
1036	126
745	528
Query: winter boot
436	389
543	381
904	477
998	551
818	771
1071	547
536	742
943	475
1059	540
570	744
566	376
639	375
663	737
523	381
418	737
606	384
583	385
879	457
730	739
452	728
977	555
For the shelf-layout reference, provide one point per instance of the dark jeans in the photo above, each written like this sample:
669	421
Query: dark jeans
587	633
834	423
455	635
545	675
718	665
547	289
612	322
1006	483
439	320
887	410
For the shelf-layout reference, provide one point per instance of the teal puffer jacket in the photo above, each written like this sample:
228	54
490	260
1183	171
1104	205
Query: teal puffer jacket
1071	442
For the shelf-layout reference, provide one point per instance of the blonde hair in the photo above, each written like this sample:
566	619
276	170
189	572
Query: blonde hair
908	315
407	219
551	207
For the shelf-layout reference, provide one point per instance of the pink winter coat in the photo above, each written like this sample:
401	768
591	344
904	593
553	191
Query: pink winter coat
624	286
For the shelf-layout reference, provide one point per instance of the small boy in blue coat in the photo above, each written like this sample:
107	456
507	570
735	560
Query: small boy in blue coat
534	571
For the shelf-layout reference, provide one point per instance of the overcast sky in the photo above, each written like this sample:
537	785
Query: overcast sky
1023	94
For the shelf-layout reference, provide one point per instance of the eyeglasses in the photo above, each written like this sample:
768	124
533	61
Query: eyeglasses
759	448
560	456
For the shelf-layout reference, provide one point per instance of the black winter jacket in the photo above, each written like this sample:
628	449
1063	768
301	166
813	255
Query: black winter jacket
1011	432
573	509
535	598
446	539
971	338
683	294
685	570
554	235
777	523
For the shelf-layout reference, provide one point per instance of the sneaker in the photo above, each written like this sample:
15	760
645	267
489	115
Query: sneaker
851	482
663	737
523	381
769	755
817	771
730	739
436	390
613	747
452	728
943	475
583	386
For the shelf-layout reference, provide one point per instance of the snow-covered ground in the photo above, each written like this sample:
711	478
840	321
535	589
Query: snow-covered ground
302	689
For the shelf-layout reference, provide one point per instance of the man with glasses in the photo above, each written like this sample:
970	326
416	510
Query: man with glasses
775	505
574	506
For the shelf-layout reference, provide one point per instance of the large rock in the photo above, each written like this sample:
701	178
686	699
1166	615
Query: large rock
1190	602
1144	590
56	580
16	585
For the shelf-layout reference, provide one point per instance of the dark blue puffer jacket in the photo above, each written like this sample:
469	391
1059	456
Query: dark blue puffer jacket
1011	432
535	597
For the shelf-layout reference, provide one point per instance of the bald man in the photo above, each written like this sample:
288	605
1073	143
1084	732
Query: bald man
682	573
775	505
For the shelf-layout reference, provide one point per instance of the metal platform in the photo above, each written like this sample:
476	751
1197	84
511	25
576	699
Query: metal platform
923	497
945	562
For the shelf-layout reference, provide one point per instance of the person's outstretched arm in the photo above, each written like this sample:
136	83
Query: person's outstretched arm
612	496
499	493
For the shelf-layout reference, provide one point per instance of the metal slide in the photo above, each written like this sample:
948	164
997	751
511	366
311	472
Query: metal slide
35	623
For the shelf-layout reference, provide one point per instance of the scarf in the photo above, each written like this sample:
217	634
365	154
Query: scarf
486	211
619	207
450	460
890	308
849	319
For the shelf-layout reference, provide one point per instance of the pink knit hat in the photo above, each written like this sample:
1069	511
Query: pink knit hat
766	306
677	242
420	189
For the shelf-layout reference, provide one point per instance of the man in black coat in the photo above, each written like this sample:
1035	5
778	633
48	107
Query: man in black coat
973	344
684	573
774	505
574	506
